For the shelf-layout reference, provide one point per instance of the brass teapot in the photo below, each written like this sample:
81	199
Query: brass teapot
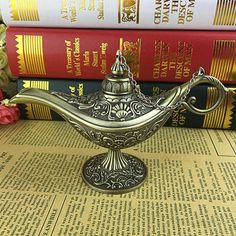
117	117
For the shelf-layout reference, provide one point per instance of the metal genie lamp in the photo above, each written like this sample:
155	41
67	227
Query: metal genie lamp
118	117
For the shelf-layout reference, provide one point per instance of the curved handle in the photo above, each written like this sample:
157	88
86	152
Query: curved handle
199	78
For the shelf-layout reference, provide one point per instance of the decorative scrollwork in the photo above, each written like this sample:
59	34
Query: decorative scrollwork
119	140
108	108
129	11
96	175
129	15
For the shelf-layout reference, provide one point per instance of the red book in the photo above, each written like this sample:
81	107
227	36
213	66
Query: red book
153	55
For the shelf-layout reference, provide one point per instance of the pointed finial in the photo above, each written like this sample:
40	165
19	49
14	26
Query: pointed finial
118	68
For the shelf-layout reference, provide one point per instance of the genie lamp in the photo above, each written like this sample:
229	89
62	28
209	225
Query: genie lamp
119	116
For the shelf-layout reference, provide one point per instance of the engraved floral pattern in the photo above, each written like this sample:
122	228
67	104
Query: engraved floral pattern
108	108
121	110
114	180
119	140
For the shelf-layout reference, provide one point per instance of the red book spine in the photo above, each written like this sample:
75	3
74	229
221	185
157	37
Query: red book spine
153	55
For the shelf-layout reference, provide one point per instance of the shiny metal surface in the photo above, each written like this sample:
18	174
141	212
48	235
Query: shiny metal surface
117	117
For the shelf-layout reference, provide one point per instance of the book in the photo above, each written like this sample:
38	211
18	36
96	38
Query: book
153	55
168	14
222	118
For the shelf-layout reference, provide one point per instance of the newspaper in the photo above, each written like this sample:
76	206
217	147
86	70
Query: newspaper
190	188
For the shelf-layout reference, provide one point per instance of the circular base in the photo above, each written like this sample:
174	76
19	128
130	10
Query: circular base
114	181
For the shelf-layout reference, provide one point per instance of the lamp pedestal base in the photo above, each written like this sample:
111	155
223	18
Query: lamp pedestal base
114	172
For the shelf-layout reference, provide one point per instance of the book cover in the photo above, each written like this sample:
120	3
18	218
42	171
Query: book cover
153	55
155	14
222	118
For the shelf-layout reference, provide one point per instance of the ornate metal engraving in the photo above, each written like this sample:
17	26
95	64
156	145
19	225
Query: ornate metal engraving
108	108
119	140
114	180
117	117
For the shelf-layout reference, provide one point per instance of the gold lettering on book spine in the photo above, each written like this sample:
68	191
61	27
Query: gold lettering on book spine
128	11
225	13
223	65
221	118
35	111
132	53
30	58
24	10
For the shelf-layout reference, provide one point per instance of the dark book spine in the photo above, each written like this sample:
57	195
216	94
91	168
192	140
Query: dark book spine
222	118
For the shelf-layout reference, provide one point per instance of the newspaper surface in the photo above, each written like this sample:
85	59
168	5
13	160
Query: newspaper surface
190	188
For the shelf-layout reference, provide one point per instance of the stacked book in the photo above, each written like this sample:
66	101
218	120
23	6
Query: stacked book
69	46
